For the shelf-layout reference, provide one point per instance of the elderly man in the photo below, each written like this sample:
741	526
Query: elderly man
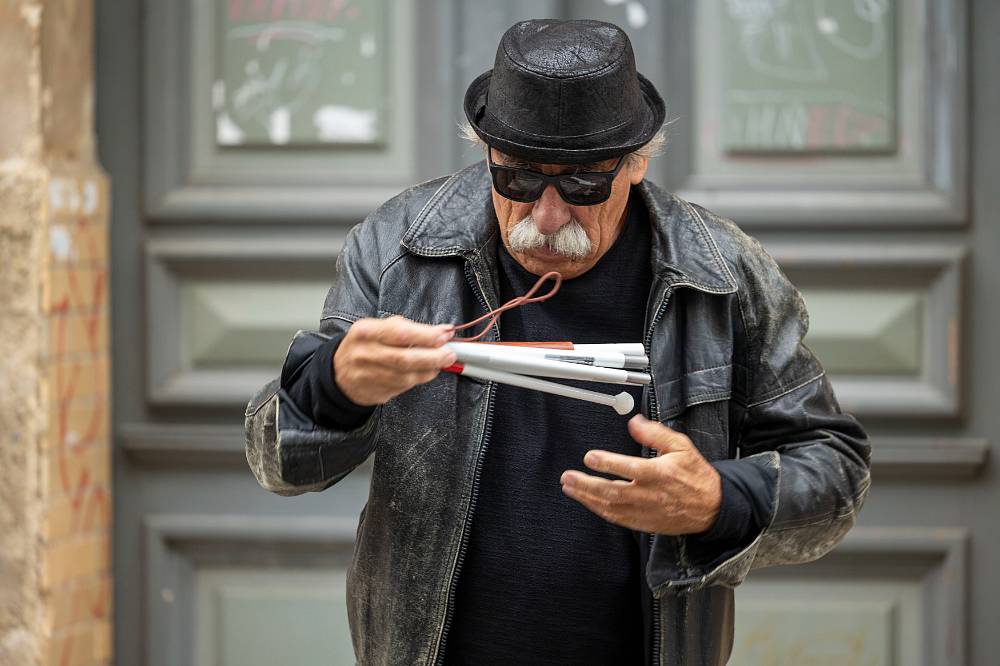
513	527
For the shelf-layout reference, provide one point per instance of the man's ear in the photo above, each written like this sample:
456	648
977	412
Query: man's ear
637	168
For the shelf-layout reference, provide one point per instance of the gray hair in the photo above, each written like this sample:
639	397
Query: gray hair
652	148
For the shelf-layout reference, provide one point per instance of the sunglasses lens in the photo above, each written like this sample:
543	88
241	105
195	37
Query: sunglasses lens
518	185
585	190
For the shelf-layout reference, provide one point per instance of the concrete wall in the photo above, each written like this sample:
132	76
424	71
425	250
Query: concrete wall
55	585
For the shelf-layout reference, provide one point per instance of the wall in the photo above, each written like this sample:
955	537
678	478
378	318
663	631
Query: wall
55	584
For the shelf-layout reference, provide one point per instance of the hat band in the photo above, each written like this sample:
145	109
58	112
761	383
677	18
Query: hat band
552	136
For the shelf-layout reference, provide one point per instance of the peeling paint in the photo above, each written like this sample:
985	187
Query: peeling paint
368	45
345	123
636	15
279	127
32	15
227	133
60	241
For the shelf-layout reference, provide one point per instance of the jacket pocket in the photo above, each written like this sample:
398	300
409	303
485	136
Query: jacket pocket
697	404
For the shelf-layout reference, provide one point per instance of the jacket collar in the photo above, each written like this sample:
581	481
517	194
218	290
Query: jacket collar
459	220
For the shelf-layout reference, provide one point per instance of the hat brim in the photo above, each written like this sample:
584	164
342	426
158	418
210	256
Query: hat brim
563	150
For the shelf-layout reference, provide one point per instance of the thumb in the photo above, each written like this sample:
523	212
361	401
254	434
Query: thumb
657	436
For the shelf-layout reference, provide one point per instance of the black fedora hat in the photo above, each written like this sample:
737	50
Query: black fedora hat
564	92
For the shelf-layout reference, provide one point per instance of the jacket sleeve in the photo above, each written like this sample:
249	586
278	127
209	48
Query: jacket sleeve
806	461
287	450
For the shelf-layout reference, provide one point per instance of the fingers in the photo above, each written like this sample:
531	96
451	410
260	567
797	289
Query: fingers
393	381
618	501
606	492
627	467
381	358
397	331
609	511
657	436
414	360
597	493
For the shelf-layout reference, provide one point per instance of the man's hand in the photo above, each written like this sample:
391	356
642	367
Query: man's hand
380	358
677	492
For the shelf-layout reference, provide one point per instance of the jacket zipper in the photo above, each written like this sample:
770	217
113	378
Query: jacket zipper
655	416
438	656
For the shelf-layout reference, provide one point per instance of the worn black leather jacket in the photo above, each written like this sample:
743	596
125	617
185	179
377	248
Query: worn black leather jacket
724	335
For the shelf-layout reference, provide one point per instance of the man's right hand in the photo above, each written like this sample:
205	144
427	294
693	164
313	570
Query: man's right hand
380	358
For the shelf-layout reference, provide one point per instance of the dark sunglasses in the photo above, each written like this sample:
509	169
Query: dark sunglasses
583	188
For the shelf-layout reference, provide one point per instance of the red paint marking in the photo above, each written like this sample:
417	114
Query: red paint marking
100	607
336	6
98	499
62	306
89	504
315	10
259	9
277	9
66	652
90	436
76	500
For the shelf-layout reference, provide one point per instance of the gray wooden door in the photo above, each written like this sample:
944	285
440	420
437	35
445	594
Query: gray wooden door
856	139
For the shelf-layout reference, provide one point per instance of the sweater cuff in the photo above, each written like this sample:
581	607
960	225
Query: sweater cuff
733	523
333	409
738	523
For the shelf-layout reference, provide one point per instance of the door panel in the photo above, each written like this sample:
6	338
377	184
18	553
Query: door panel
266	616
235	181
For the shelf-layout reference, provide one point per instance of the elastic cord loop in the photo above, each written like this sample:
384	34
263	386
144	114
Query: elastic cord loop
529	297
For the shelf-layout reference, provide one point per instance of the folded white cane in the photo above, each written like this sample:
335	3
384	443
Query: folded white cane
621	403
529	364
615	363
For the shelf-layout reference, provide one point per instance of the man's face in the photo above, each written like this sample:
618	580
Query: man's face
549	234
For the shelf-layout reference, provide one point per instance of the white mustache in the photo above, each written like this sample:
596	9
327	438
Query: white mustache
570	240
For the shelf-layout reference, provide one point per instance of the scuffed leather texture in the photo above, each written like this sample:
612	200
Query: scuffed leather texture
288	453
729	369
599	106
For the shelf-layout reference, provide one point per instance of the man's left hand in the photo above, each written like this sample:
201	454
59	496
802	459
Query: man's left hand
677	492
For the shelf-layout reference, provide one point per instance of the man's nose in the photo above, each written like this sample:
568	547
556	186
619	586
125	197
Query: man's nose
550	211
